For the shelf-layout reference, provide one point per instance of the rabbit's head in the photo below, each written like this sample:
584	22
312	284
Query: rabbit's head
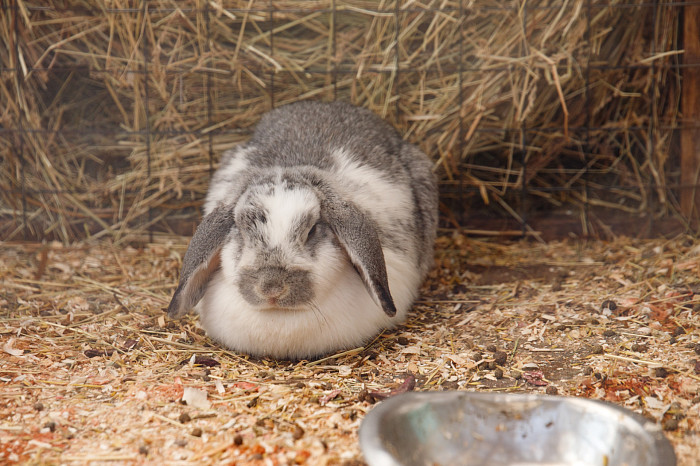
281	243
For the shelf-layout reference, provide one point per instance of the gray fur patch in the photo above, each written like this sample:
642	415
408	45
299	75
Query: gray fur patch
275	286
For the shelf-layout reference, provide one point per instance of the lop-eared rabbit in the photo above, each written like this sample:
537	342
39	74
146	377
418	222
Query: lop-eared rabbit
317	234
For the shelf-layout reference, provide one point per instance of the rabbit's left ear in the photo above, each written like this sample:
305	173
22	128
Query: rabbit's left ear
202	259
358	236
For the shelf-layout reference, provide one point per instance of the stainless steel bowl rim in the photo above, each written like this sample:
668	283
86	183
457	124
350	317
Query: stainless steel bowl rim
377	454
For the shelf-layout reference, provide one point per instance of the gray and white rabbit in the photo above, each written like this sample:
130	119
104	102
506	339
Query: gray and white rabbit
318	233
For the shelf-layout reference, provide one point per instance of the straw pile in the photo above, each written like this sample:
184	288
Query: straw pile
97	141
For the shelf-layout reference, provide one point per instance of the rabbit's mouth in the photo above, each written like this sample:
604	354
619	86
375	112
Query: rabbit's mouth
273	304
277	308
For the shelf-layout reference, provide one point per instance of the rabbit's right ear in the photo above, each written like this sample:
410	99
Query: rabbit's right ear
201	260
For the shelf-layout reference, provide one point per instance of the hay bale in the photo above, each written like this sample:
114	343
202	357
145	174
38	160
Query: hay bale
98	141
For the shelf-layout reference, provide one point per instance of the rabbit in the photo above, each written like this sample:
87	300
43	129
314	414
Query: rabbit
317	234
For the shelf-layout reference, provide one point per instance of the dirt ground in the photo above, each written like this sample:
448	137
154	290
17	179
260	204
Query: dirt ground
92	371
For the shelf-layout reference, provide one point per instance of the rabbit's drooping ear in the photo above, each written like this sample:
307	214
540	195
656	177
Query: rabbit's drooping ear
358	236
201	260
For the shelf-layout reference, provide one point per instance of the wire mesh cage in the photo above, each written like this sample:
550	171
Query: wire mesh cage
540	115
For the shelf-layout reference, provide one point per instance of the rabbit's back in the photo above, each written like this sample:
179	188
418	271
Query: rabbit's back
307	133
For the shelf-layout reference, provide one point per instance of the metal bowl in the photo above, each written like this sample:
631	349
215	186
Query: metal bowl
468	428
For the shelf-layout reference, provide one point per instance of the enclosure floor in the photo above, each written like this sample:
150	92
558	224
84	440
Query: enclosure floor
91	370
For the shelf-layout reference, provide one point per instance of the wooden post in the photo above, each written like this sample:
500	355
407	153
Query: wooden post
690	106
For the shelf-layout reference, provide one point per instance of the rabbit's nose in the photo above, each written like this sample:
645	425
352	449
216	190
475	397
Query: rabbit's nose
271	289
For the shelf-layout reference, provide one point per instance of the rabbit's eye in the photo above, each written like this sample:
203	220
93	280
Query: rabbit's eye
311	232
